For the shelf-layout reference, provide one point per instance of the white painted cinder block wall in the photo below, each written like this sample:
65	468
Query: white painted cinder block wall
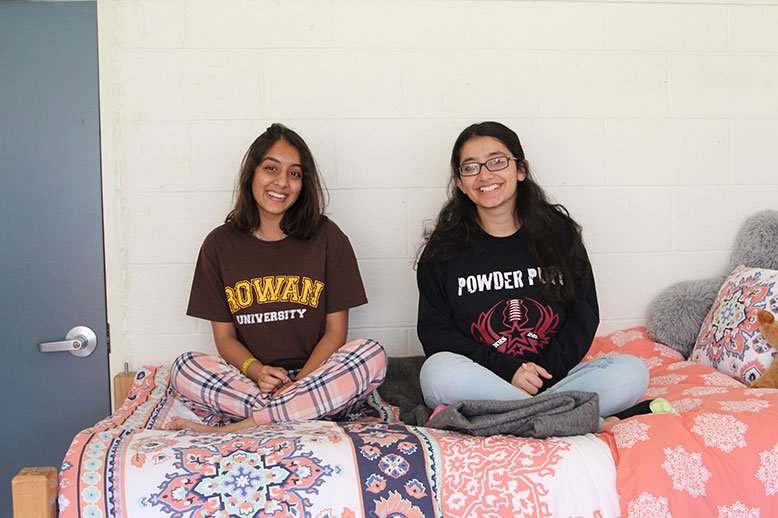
654	123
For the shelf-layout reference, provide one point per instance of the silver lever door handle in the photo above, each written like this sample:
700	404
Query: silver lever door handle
66	345
80	341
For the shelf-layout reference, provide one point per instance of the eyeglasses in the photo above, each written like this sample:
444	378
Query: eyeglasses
497	163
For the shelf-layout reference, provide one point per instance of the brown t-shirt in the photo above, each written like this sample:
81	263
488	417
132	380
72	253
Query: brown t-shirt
276	293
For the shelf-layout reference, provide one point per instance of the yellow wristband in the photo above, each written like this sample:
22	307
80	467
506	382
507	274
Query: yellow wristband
245	367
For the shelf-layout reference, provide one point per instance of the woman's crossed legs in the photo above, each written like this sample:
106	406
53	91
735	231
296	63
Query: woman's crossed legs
336	387
619	381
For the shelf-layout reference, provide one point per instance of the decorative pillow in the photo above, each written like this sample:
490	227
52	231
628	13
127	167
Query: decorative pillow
730	340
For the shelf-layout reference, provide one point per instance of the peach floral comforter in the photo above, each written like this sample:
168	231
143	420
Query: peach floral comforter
718	456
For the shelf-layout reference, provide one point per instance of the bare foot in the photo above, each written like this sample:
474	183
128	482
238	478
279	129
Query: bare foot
609	422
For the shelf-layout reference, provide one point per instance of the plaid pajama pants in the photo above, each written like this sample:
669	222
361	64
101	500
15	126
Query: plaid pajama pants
210	385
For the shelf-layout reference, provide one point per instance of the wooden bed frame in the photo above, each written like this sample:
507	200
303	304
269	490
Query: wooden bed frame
34	489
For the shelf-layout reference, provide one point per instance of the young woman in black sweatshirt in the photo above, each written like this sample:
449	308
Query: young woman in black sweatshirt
507	299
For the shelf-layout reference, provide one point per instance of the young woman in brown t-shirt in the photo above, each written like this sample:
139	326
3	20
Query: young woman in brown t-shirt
276	280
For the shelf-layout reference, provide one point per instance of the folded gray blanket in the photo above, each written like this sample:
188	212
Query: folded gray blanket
556	414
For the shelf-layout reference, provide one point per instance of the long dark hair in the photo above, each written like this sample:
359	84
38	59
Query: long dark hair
457	225
303	218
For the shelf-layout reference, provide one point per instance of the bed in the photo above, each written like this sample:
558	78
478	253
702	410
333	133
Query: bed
716	456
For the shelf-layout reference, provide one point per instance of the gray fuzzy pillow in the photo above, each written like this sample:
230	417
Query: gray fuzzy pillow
757	242
676	314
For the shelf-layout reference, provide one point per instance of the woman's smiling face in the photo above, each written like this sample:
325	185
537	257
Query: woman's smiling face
490	190
278	180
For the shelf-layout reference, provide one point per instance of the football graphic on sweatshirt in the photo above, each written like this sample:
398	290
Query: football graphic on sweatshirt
516	326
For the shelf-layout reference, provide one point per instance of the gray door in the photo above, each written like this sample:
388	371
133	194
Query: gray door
51	234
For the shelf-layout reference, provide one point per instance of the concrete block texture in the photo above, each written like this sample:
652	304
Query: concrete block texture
348	83
724	85
752	27
391	292
156	156
158	296
619	219
672	27
591	84
250	24
708	218
372	220
665	151
653	122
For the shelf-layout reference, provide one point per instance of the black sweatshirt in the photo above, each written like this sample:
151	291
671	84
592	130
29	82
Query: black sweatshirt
485	304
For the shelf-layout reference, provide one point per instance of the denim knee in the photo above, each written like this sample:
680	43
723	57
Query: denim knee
435	374
635	369
630	375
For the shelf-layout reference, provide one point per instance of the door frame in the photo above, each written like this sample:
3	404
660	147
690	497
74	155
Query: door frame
114	222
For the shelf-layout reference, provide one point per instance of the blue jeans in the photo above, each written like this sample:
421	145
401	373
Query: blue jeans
619	381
